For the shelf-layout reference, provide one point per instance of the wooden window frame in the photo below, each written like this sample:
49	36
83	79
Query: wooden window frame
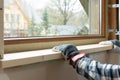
113	19
62	38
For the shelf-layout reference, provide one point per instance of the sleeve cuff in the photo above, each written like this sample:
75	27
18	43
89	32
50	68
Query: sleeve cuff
77	57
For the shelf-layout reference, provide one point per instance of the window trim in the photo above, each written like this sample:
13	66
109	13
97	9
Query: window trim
48	39
28	57
62	38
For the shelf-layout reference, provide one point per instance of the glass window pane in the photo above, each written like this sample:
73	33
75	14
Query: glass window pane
37	18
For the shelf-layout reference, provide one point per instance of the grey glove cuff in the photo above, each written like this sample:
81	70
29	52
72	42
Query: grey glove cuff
68	50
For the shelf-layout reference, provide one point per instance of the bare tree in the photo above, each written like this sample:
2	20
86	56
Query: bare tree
66	8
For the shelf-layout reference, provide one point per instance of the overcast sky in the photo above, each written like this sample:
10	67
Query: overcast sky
37	3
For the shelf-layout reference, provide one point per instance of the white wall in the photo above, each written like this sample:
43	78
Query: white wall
50	70
56	69
113	58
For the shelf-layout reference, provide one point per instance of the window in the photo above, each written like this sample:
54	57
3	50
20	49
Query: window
54	19
18	19
6	17
12	18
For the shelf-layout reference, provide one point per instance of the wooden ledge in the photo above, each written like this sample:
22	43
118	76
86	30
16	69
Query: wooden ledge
29	57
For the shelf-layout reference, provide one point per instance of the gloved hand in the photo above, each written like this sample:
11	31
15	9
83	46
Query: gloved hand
67	50
70	52
116	42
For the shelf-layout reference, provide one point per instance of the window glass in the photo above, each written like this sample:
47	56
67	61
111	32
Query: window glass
6	17
39	18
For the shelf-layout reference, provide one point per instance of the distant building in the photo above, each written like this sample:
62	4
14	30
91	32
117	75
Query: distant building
16	18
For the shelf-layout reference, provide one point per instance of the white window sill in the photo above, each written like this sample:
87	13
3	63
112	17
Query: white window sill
29	57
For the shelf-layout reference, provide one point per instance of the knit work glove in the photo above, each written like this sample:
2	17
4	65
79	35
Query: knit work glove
70	52
67	50
116	47
116	42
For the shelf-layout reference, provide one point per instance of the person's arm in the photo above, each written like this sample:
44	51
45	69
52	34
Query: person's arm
87	67
94	70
